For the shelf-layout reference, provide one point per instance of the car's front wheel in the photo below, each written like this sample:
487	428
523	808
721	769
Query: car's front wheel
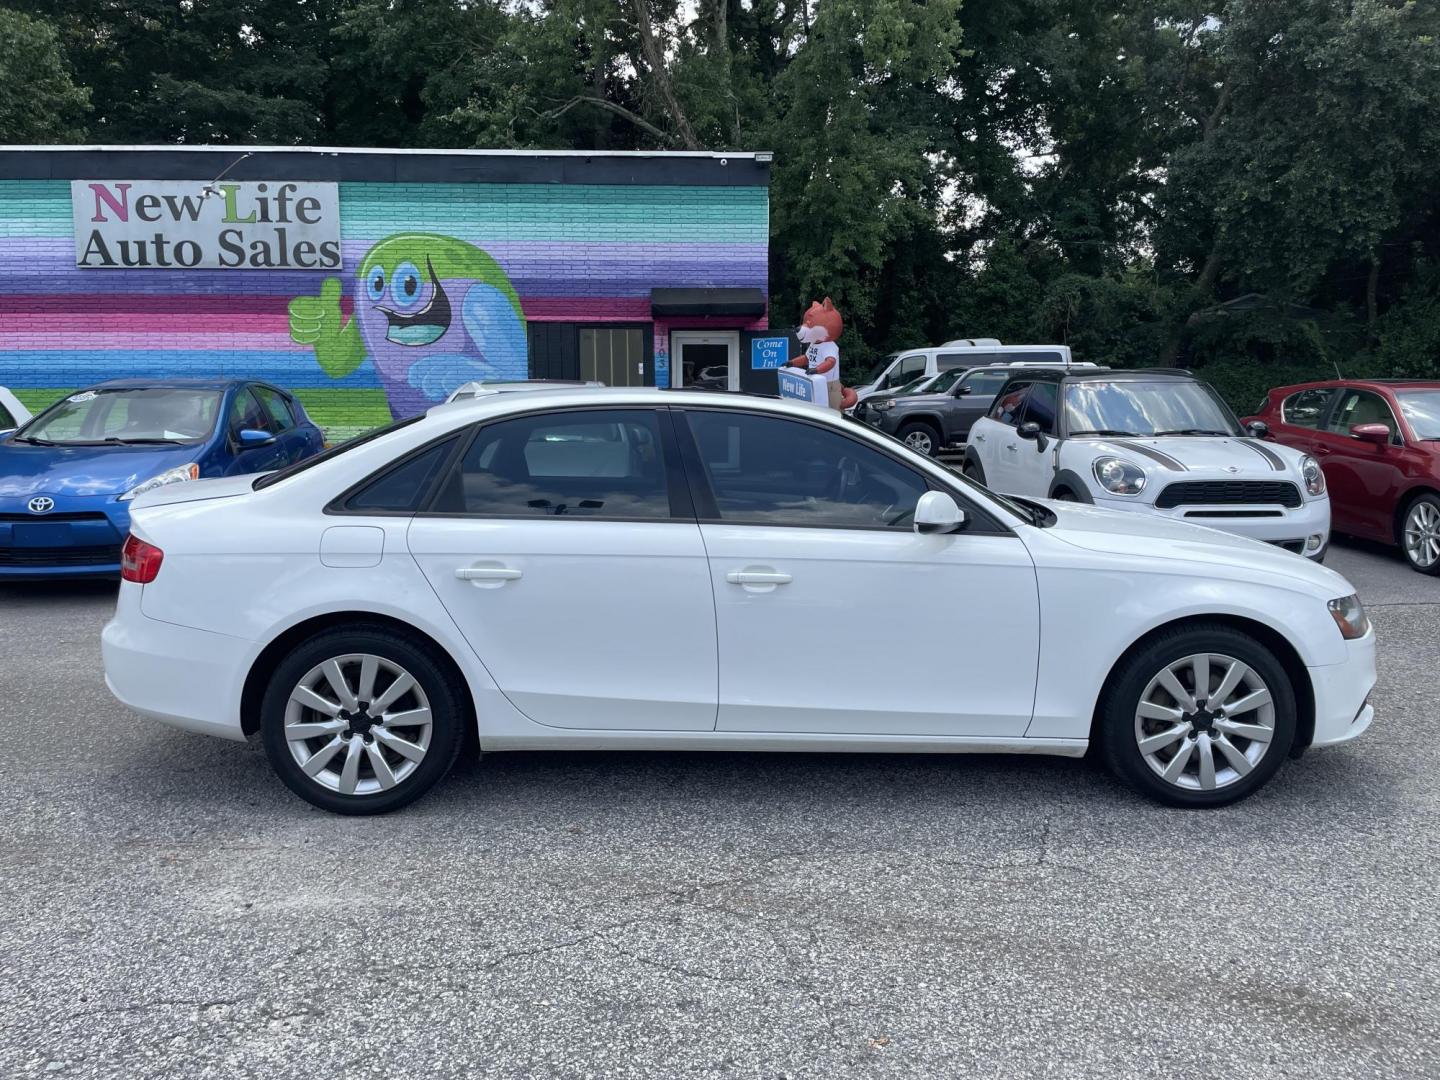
361	721
1200	716
1420	534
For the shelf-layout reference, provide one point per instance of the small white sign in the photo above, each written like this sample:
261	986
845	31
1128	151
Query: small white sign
192	225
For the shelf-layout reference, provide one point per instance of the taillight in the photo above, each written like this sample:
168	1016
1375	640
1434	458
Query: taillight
139	561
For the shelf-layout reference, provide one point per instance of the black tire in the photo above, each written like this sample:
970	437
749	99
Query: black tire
1065	495
1115	727
1433	503
920	428
441	690
973	471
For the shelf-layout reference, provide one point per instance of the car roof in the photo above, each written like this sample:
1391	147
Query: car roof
619	397
1373	384
176	384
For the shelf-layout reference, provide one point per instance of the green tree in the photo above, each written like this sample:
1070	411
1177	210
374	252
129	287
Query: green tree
39	101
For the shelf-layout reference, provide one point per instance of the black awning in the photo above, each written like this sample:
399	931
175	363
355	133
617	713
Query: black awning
749	302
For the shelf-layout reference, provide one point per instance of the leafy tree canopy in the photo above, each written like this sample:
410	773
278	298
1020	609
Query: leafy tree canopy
1106	175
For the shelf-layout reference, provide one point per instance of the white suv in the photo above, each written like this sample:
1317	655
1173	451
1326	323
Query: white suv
1158	441
905	367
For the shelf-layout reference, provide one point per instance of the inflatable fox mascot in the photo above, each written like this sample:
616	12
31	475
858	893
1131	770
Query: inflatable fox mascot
819	332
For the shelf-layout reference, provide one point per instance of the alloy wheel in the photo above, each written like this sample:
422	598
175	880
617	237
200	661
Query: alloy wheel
358	724
1205	721
920	441
1422	534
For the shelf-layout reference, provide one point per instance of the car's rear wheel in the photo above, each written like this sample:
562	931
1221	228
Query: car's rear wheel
973	471
1200	716
921	438
1420	534
361	721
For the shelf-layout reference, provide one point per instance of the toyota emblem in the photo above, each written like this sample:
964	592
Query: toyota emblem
41	504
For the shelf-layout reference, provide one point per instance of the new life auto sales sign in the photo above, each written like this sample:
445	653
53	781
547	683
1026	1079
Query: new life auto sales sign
188	224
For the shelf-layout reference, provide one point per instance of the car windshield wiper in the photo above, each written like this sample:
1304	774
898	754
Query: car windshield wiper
1110	433
115	440
33	440
1194	431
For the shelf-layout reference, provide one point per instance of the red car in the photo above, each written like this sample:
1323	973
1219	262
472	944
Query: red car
1379	444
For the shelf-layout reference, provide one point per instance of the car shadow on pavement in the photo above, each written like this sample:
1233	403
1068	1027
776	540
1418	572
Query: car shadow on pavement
48	592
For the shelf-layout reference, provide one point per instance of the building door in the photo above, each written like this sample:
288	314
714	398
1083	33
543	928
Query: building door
705	359
614	356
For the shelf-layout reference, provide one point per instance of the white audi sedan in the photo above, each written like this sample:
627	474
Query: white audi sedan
646	569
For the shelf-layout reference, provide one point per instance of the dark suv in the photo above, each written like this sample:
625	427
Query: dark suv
939	415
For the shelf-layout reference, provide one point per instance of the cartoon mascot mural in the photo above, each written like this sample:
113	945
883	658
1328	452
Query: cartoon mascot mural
819	333
431	311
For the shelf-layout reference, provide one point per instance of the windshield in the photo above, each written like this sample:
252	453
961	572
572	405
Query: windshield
1422	409
1165	406
155	414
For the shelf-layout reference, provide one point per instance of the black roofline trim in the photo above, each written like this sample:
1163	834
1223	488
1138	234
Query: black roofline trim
382	166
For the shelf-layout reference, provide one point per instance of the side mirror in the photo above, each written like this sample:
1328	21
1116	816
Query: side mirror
938	512
1031	430
1258	429
250	438
964	388
1378	434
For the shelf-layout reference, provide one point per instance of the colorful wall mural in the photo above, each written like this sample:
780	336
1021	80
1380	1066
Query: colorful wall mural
438	285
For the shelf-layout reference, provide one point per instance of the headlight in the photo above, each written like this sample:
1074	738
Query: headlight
883	404
159	480
1314	475
1349	616
1118	476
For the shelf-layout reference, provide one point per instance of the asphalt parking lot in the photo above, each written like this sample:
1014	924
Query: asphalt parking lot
167	908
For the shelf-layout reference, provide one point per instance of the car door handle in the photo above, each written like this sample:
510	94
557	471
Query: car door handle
1322	450
978	438
1012	446
757	577
482	575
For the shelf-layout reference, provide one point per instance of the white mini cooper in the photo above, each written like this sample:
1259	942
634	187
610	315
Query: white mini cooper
1158	441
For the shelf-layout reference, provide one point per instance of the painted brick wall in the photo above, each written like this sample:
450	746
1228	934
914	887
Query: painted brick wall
573	252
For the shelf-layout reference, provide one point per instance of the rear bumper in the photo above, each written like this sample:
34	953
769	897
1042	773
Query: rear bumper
187	678
1342	692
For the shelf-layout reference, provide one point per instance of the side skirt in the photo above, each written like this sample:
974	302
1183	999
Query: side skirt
798	742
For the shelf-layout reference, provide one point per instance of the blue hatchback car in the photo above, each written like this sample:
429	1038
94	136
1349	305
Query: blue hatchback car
68	476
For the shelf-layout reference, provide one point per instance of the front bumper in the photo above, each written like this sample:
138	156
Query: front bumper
188	678
1277	525
1342	693
80	536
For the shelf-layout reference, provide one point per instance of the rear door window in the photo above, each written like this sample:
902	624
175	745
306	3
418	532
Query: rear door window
1307	408
599	463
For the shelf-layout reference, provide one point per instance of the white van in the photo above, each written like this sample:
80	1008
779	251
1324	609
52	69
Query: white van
901	368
